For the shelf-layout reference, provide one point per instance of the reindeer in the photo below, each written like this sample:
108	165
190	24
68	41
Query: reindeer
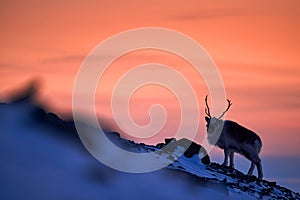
234	138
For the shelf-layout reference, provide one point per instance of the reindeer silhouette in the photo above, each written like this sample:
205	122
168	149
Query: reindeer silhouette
234	138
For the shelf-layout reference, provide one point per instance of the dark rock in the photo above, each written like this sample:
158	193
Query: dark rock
192	148
168	140
160	145
205	160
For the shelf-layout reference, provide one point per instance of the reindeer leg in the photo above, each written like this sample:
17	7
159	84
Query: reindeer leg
250	171
256	161
259	170
225	157
231	156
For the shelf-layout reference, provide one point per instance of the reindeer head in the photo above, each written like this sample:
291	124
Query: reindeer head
213	123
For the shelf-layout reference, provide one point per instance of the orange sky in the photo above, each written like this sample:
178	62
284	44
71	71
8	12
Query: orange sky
255	45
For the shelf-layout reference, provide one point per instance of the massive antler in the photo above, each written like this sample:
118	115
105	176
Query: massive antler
229	104
207	112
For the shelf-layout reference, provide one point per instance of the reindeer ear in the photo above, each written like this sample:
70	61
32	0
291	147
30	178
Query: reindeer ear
207	119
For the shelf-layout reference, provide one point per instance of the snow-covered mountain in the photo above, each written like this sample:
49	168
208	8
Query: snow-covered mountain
42	157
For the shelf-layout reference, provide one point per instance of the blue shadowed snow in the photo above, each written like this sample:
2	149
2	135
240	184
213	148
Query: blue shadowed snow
43	158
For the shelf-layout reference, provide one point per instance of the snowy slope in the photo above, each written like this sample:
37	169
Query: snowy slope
236	183
43	158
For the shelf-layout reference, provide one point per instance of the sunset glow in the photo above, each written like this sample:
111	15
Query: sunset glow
255	45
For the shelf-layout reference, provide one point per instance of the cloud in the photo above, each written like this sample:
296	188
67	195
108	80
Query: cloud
6	67
69	58
66	58
214	14
205	10
265	69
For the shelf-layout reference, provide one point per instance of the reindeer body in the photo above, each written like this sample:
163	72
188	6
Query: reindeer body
234	138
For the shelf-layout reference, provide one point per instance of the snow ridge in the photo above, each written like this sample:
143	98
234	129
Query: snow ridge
31	130
199	166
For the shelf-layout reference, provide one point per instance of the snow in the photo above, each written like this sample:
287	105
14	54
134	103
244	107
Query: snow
37	166
40	160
